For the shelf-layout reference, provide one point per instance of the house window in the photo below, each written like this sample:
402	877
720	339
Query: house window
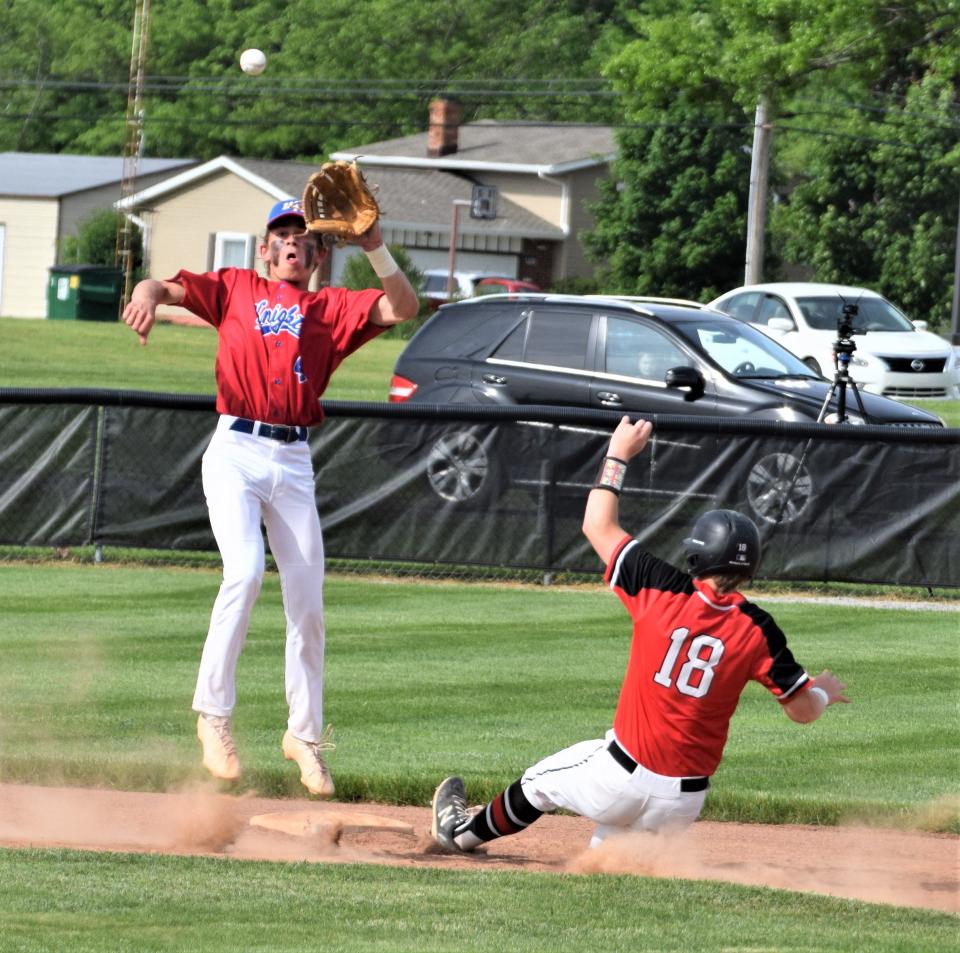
233	250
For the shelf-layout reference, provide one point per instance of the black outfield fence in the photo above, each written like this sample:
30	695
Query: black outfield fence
493	487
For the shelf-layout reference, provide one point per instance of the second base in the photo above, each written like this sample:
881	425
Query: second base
305	823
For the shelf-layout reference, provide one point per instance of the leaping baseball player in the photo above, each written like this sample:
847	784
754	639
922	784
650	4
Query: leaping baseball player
279	343
696	643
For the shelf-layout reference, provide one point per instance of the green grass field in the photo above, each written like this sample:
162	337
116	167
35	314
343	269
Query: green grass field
97	665
180	359
430	679
91	903
177	359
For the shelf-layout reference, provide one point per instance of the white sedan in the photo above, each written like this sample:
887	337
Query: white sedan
893	356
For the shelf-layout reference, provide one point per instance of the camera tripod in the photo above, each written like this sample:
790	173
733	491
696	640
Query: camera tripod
843	349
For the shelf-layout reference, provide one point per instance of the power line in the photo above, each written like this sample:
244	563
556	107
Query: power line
379	82
394	88
833	133
271	122
478	92
899	107
891	117
488	92
403	129
380	88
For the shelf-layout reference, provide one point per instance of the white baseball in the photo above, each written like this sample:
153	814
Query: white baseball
253	62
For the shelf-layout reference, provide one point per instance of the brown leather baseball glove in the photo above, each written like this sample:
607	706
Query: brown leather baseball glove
338	202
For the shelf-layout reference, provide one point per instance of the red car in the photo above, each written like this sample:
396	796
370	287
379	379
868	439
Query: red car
493	286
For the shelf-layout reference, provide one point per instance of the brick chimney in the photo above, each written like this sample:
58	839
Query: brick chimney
445	116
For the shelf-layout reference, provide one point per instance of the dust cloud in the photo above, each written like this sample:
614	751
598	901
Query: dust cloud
871	864
857	861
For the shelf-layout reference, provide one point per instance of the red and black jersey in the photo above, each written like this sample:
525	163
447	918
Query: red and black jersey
278	345
691	655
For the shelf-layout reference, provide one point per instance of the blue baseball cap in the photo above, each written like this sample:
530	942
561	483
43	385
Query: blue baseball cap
286	208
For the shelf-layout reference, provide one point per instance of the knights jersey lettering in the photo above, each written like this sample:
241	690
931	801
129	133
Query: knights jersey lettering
691	654
278	346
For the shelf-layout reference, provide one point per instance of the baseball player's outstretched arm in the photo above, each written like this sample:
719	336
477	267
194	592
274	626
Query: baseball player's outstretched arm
810	704
141	312
601	519
399	302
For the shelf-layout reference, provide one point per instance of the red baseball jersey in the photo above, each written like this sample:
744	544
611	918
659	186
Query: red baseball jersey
278	345
691	655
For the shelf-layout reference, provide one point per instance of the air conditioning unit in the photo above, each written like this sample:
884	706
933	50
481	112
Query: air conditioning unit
483	203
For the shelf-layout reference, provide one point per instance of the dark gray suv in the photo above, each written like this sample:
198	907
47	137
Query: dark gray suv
639	356
653	356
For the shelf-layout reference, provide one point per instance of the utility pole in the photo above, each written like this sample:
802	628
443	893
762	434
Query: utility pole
955	311
133	143
452	258
757	199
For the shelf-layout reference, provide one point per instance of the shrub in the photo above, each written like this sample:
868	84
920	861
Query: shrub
95	242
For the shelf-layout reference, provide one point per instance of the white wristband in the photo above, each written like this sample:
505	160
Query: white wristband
382	261
821	694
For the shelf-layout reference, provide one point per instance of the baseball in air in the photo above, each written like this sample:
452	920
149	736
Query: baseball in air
253	62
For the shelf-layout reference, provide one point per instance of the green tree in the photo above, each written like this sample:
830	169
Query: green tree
339	73
877	205
671	217
718	50
358	274
42	47
717	55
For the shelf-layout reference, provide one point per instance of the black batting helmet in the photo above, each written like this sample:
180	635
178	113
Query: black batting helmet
723	541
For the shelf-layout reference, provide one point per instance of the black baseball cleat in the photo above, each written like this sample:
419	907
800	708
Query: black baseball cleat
449	812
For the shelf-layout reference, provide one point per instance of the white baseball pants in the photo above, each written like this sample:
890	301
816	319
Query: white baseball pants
586	779
246	479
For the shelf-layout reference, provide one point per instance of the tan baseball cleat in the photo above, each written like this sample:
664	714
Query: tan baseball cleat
314	773
219	750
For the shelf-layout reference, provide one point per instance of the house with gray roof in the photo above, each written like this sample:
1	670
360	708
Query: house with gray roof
514	196
43	199
524	190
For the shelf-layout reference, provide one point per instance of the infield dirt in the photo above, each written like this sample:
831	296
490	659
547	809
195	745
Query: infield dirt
880	865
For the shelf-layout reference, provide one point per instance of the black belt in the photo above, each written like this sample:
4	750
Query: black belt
271	431
687	785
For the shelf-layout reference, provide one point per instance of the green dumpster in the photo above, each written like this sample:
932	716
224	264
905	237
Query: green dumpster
84	293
